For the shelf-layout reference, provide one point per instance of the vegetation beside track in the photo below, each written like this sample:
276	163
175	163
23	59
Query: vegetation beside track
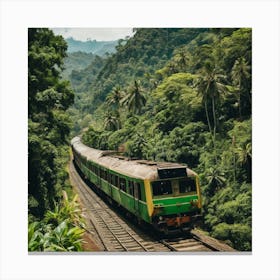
53	221
181	95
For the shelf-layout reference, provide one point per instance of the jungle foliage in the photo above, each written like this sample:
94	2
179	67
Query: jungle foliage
136	58
76	61
49	126
180	95
60	230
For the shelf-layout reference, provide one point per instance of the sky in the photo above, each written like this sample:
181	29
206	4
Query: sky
99	34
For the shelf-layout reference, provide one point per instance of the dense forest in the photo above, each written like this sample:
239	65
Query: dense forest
76	61
54	222
180	95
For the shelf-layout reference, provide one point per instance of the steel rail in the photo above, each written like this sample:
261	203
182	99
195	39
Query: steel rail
105	209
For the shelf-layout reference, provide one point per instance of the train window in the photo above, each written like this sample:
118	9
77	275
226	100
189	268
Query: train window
123	184
137	191
130	188
117	181
187	185
106	175
141	191
161	187
110	178
114	180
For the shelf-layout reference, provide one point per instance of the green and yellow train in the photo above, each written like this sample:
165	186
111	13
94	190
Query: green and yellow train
165	195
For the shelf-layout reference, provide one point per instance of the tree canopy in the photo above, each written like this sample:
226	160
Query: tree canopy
48	122
185	97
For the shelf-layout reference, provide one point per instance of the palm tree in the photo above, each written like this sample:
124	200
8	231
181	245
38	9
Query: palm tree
211	87
244	158
240	72
111	122
244	153
134	100
114	98
182	59
216	180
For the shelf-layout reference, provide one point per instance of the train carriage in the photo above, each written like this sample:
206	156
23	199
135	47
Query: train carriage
165	195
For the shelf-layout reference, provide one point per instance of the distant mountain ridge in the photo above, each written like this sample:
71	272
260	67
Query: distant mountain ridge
94	47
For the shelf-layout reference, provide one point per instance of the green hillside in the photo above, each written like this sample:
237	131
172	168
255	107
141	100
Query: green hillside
76	61
136	58
181	95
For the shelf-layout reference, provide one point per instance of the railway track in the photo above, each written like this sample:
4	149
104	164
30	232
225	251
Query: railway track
108	229
196	242
186	245
111	232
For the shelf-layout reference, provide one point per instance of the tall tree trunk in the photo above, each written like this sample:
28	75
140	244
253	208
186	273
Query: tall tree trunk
234	159
207	116
214	118
239	100
214	128
211	132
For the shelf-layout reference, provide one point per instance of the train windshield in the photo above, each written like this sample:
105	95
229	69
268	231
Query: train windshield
161	187
187	185
175	187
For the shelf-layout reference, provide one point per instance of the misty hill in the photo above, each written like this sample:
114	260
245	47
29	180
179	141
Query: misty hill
135	58
94	47
76	61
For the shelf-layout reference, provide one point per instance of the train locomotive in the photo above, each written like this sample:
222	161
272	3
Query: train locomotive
162	194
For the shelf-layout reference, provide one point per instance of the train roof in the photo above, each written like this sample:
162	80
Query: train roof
141	169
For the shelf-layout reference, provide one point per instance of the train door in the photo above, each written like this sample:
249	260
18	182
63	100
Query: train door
137	197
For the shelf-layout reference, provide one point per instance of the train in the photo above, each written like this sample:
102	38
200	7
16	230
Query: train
164	195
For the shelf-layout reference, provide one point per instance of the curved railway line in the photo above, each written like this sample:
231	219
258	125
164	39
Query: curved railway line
113	233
